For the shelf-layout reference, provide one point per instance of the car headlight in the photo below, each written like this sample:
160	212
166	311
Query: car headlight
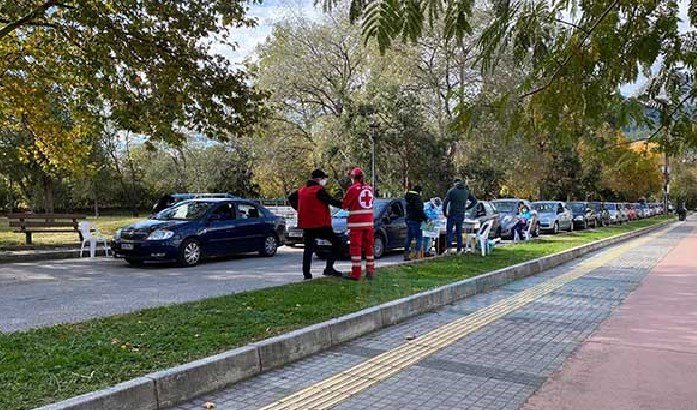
160	235
117	235
507	218
579	218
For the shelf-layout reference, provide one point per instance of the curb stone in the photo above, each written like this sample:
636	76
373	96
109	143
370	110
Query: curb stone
44	255
138	393
166	388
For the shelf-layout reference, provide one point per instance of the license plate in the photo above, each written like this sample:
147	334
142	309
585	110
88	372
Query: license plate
323	242
295	234
127	246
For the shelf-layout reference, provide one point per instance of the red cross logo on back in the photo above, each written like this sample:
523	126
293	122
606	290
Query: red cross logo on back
365	198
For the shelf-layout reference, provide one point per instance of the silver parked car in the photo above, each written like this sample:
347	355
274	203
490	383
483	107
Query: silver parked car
508	210
617	213
554	216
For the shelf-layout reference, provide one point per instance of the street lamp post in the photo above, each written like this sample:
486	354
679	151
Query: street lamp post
663	102
666	170
373	134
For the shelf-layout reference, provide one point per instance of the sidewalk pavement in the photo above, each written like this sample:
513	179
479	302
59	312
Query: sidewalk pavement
33	255
494	365
645	355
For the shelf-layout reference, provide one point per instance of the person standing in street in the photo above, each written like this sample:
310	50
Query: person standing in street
415	216
455	206
312	203
359	203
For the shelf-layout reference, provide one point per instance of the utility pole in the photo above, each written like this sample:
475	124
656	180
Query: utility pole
373	134
666	169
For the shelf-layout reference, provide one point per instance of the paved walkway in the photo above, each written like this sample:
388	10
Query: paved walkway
645	356
490	351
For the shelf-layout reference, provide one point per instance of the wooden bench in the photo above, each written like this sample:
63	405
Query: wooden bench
29	224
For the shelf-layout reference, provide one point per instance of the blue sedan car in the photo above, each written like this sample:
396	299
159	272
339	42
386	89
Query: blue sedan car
200	228
390	228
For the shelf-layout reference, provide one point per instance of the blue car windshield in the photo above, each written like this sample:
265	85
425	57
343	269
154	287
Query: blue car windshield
545	207
185	211
506	206
578	207
378	207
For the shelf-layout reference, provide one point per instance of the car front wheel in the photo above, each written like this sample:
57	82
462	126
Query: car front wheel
189	253
270	246
378	247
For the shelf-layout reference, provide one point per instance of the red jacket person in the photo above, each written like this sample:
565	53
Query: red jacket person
359	203
312	203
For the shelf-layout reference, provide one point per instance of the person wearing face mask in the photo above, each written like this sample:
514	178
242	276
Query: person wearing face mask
314	218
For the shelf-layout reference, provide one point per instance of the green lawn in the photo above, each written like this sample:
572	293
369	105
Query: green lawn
106	224
45	365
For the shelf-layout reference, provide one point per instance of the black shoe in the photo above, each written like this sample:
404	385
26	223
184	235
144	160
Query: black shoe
332	272
307	277
349	277
407	257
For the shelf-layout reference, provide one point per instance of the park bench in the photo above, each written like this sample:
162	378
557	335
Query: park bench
29	224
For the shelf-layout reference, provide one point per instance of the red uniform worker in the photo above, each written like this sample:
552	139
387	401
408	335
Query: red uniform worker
359	203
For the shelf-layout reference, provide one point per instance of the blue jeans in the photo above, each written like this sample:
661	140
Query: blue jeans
454	221
427	244
413	232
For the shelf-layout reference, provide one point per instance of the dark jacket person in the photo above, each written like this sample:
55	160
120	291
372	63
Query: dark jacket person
415	216
314	218
454	207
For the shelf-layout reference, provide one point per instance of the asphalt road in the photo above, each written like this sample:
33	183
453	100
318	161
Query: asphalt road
44	293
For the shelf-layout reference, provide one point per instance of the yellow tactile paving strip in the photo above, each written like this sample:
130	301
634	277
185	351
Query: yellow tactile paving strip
334	390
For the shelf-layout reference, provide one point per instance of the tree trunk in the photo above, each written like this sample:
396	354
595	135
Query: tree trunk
96	200
131	166
49	199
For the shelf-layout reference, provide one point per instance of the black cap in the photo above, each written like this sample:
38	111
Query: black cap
417	188
319	174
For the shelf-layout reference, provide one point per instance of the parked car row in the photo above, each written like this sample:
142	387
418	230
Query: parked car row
198	226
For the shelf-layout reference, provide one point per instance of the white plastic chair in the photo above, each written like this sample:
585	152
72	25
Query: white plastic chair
526	233
92	235
484	236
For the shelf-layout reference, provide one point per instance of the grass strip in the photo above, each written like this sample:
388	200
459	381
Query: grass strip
45	365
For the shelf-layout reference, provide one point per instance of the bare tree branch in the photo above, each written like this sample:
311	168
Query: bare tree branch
563	64
29	18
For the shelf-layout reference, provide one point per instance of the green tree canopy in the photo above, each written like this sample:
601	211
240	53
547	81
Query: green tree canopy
144	66
575	53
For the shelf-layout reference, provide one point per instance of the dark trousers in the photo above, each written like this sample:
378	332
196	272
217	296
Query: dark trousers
519	227
309	240
454	221
413	233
